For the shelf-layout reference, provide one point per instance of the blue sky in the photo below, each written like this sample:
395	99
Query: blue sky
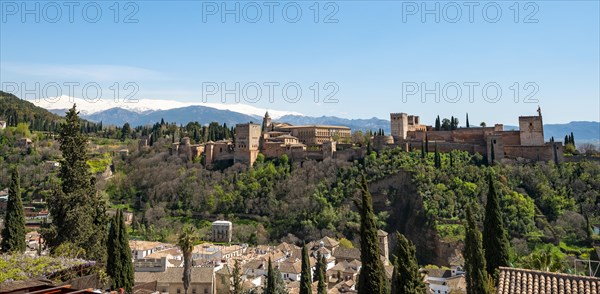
368	56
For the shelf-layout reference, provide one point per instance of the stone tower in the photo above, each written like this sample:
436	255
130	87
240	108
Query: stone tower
266	122
383	244
247	137
329	149
531	130
399	125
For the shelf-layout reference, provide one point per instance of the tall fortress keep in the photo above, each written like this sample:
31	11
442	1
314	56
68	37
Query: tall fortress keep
317	142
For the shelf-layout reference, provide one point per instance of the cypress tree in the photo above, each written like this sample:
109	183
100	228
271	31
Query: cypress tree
317	267
113	262
426	143
237	278
492	153
372	277
477	279
127	275
468	126
438	124
13	234
406	278
495	238
566	139
77	208
305	279
572	139
270	287
452	123
422	149
322	276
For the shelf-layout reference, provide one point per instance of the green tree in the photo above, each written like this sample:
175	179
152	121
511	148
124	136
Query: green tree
114	260
547	258
406	278
13	234
270	287
275	283
305	275
186	241
438	124
127	272
236	276
495	238
78	211
437	159
125	131
372	277
477	279
467	124
492	153
317	267
322	276
119	265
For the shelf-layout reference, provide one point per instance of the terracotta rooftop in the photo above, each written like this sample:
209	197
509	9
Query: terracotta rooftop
524	281
143	245
346	253
174	274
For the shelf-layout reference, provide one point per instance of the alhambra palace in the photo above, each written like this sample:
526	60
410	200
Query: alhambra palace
318	142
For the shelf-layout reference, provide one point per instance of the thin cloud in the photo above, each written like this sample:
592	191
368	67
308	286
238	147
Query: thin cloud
92	72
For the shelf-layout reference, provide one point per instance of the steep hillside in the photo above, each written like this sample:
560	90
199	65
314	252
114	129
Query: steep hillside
15	110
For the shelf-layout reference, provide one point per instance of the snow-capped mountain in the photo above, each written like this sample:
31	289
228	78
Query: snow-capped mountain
87	107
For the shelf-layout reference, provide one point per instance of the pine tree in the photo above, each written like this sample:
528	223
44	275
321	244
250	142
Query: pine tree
406	278
322	276
127	272
186	244
372	277
305	275
77	208
495	238
13	234
477	279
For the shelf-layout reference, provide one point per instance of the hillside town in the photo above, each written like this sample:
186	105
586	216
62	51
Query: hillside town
379	214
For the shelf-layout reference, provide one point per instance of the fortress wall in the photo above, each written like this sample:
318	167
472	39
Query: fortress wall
511	138
535	153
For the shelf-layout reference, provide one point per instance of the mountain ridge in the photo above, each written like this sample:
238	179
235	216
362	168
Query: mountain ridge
584	131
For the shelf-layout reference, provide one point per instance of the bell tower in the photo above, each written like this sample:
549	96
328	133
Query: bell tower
266	122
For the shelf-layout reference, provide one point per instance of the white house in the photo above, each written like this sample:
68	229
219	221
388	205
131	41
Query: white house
141	249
